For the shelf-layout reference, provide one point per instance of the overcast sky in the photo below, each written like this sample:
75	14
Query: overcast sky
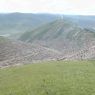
84	7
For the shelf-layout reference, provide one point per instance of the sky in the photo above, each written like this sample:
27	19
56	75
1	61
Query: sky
75	7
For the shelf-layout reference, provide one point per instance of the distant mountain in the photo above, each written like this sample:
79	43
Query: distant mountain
15	24
16	52
61	35
20	22
83	21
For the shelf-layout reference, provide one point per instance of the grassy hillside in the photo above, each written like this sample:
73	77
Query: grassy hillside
49	78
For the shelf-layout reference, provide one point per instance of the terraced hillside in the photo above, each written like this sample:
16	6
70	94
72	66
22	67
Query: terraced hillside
61	35
16	52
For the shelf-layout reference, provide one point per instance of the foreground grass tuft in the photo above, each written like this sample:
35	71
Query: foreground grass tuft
49	78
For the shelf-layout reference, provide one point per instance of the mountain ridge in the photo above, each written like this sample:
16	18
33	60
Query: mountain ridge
60	35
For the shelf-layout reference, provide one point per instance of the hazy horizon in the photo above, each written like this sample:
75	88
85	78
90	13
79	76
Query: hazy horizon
17	12
71	7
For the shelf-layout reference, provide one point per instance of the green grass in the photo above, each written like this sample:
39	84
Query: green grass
49	78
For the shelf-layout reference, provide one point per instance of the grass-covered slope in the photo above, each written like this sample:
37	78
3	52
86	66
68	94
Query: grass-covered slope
51	78
61	35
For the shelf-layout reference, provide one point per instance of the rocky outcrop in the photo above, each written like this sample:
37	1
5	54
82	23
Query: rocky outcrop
17	52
